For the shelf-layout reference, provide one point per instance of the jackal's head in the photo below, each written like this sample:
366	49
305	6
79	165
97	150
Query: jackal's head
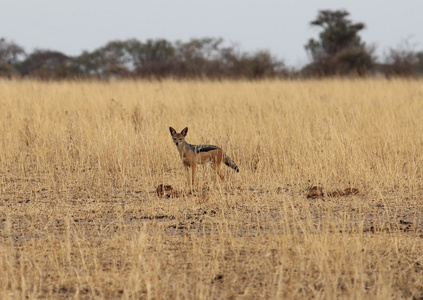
178	138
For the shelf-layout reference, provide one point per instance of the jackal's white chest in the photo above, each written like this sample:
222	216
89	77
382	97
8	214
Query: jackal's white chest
186	161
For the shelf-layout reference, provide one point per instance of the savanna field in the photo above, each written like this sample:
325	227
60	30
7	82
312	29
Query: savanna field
328	202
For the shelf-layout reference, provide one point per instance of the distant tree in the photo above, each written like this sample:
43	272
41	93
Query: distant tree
10	53
112	60
47	64
89	64
209	57
339	50
263	65
154	58
199	58
252	66
126	59
151	51
403	61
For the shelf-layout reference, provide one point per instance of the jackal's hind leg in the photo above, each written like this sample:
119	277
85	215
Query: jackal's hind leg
216	167
219	172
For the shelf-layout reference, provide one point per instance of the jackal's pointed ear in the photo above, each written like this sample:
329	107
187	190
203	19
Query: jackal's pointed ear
172	131
184	131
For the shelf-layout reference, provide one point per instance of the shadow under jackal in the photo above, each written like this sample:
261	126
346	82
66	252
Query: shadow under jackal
192	155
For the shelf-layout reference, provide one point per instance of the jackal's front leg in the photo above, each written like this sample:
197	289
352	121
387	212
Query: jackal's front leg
187	172
193	166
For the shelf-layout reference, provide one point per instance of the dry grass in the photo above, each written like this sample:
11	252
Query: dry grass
80	217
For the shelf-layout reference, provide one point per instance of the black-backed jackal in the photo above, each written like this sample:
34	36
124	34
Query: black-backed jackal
192	155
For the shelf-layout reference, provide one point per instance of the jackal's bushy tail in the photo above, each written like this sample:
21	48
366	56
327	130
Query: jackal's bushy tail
230	163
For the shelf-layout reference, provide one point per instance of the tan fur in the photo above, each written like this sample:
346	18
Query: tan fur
191	159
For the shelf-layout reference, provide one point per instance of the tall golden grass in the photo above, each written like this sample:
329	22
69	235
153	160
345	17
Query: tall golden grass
80	217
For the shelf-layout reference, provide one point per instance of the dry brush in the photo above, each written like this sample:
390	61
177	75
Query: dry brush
80	216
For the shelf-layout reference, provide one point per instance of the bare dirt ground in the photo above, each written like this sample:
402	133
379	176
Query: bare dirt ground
218	243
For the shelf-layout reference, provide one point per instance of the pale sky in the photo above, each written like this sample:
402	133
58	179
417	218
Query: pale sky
282	27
